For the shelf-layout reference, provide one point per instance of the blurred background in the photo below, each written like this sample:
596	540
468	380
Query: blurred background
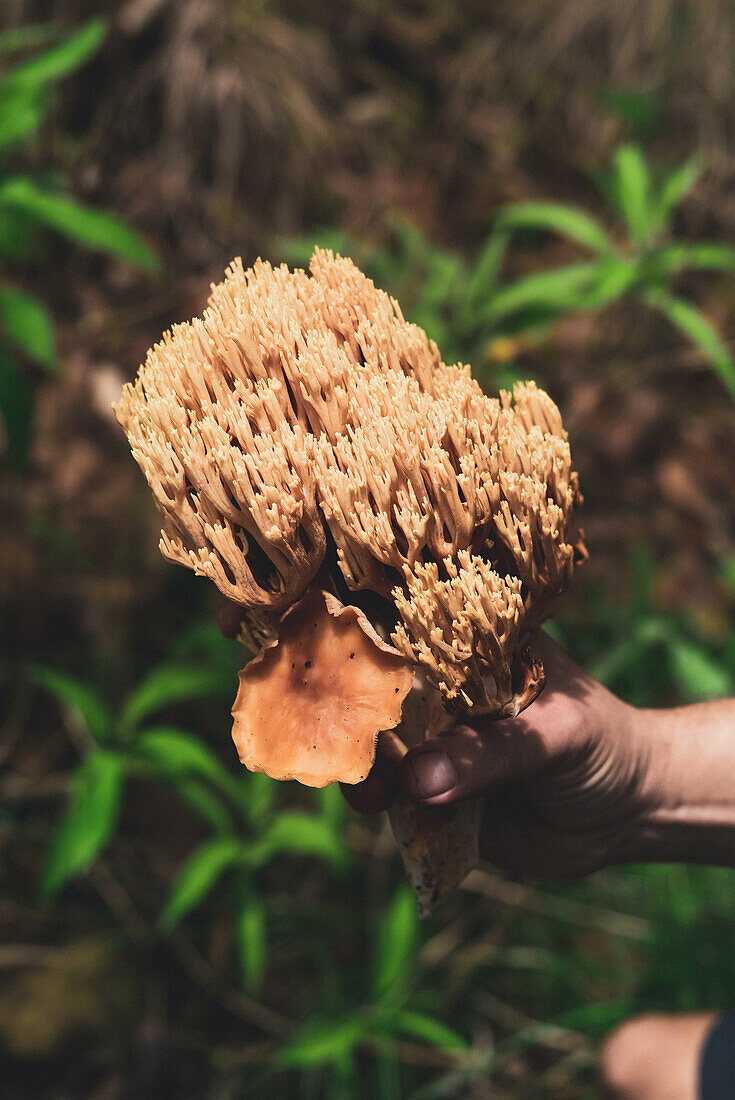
549	188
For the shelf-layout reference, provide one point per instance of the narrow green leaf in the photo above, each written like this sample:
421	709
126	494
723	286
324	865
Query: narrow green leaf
205	641
556	290
172	684
428	1030
204	801
632	189
303	835
16	235
21	113
28	324
678	257
255	792
82	224
552	217
252	950
198	877
61	59
323	1043
617	661
614	278
697	328
676	187
701	676
16	409
78	698
484	276
396	943
176	751
95	794
333	807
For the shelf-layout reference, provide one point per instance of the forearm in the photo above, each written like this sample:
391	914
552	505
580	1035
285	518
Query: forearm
689	791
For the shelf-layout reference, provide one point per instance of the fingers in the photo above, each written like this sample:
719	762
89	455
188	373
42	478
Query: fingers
377	792
465	762
229	618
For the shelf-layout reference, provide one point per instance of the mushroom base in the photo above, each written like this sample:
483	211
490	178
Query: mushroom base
440	845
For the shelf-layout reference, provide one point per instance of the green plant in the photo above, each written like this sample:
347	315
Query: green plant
648	656
32	201
248	830
472	313
325	1048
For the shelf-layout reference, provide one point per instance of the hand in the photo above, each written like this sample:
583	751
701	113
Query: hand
579	780
565	783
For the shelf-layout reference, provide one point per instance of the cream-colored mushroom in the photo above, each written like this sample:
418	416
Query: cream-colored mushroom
302	436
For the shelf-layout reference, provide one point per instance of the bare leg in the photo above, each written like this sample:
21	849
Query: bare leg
655	1057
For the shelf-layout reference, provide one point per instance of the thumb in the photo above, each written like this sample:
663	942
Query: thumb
466	762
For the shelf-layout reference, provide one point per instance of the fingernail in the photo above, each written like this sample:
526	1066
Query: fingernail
431	773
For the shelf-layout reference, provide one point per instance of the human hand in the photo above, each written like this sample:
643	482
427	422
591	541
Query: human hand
578	781
565	783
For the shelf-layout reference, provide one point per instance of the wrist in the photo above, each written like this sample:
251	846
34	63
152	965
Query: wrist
687	803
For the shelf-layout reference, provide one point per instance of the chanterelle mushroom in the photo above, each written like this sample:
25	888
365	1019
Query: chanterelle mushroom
302	436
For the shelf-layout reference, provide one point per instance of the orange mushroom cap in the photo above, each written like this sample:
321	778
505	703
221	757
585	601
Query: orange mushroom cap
311	706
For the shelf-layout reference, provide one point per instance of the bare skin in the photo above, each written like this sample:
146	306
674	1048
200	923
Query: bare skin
579	781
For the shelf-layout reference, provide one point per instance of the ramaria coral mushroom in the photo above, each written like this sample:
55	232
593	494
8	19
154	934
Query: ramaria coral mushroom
302	436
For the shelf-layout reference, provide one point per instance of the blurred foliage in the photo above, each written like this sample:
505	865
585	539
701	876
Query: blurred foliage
35	201
476	316
204	930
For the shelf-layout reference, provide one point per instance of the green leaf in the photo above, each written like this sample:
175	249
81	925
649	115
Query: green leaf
82	224
614	278
16	235
302	835
205	641
396	943
632	187
557	290
172	684
62	59
28	324
78	698
677	257
198	877
177	751
324	1043
95	794
699	675
676	187
204	801
484	277
697	328
333	808
16	408
554	217
250	932
255	792
21	113
427	1029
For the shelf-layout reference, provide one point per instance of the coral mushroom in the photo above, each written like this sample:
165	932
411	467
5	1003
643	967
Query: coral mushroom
302	436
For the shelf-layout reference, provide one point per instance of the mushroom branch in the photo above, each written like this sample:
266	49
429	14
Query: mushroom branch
382	522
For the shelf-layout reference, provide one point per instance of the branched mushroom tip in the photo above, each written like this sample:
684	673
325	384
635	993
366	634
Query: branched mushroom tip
303	435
